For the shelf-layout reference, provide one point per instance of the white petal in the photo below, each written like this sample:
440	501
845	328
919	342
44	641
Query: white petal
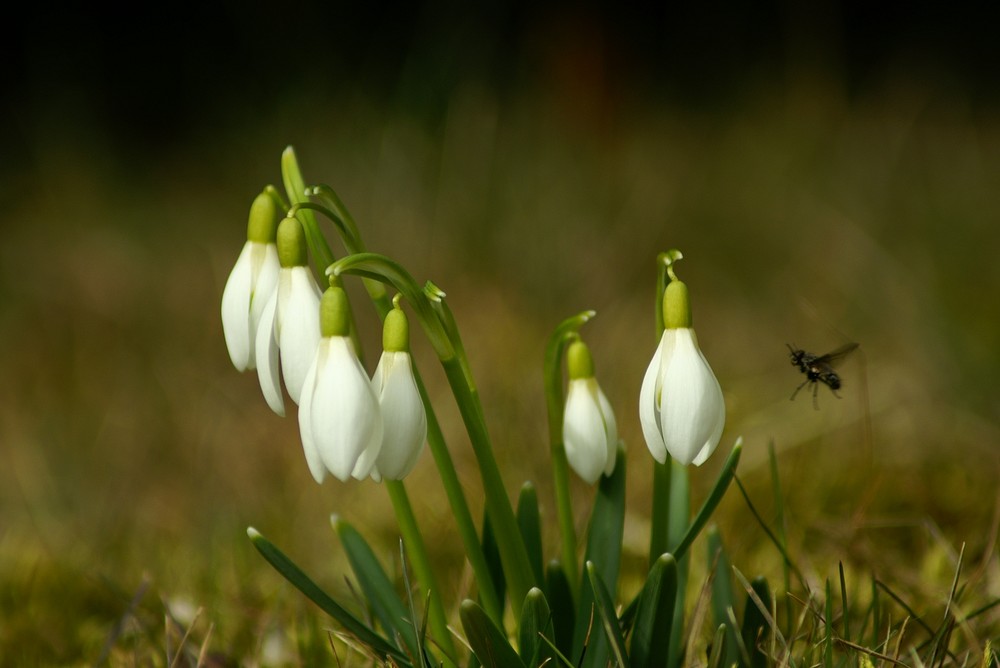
236	311
611	429
264	268
691	406
403	416
298	329
313	460
584	435
649	405
267	358
344	411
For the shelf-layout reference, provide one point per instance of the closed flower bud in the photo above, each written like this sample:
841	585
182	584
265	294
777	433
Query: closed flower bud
339	418
680	405
251	283
590	433
288	333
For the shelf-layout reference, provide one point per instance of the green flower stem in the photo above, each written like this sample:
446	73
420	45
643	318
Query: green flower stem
671	486
555	403
513	552
453	490
420	562
295	187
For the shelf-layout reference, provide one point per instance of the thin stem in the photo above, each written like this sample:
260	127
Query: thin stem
658	543
555	403
417	552
513	553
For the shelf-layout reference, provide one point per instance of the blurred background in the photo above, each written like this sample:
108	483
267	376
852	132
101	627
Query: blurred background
831	171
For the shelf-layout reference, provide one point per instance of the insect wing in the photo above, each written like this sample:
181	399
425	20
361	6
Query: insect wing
835	356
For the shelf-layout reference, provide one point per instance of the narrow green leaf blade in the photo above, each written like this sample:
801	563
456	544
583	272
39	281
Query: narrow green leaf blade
491	552
376	586
291	572
535	636
717	657
609	619
650	645
722	593
718	491
755	626
487	641
561	603
530	522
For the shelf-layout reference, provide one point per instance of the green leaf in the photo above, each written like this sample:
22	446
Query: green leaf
561	603
718	491
604	542
530	522
755	626
535	636
376	586
287	568
487	641
717	657
722	593
491	551
609	620
650	645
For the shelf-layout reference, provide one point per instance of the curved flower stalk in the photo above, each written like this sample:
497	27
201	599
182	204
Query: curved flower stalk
403	416
251	283
680	404
590	433
288	333
339	418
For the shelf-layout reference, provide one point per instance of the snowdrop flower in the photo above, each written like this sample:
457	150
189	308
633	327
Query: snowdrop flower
339	418
288	333
680	405
251	283
403	416
590	433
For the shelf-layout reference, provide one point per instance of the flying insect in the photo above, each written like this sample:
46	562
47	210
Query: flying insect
819	368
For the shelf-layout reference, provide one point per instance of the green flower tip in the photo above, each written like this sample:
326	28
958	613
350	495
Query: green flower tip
334	315
676	306
396	331
579	363
292	243
263	224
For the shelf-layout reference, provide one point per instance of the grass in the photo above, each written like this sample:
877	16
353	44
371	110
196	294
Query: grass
134	457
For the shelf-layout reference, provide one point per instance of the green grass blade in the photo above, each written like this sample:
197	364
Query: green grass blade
722	593
291	572
530	522
828	644
376	586
720	648
494	564
755	624
536	627
609	620
487	641
560	600
843	603
714	497
604	541
650	645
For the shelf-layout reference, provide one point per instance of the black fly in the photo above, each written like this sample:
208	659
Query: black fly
819	368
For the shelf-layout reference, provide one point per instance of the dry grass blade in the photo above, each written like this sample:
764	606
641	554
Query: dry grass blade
184	638
700	609
870	652
119	626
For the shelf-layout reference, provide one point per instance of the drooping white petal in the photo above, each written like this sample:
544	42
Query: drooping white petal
403	416
236	311
344	412
298	332
692	410
611	428
313	460
247	291
264	266
267	357
585	436
649	405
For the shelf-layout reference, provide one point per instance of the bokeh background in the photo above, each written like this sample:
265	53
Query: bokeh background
831	171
